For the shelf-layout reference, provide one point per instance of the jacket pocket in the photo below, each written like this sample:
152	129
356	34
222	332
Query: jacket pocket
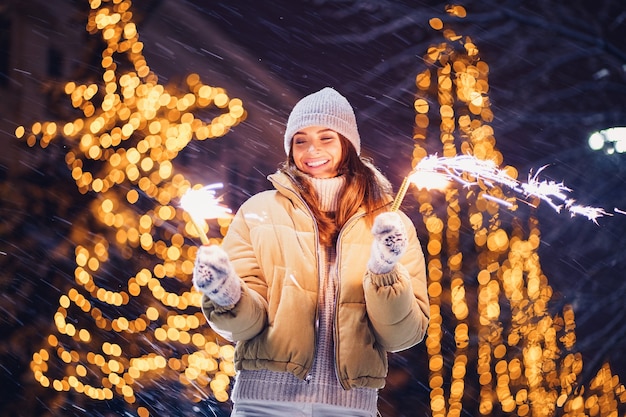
290	334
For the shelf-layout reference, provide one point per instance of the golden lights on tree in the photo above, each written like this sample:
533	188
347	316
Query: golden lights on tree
524	358
118	336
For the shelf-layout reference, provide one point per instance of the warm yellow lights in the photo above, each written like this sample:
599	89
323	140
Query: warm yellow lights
121	151
120	329
524	366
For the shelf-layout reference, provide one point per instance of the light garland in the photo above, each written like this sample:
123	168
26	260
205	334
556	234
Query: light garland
122	151
542	379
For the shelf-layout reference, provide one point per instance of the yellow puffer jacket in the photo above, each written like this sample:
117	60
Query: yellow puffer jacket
273	245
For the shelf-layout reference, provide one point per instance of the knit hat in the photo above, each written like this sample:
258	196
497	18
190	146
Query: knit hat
325	108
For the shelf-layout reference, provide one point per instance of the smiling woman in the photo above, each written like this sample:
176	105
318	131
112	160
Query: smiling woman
317	151
315	310
104	249
314	127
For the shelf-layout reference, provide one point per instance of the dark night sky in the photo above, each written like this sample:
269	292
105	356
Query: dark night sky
557	73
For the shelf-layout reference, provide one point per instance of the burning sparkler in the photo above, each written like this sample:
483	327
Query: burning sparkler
437	172
202	204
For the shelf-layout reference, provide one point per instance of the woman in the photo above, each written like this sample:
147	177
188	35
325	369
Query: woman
316	280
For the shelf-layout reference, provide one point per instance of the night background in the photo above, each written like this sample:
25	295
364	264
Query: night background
111	109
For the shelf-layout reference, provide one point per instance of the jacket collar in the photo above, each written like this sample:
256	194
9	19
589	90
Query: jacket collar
287	187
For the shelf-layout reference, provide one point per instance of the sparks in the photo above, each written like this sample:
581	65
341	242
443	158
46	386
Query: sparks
459	168
592	213
202	204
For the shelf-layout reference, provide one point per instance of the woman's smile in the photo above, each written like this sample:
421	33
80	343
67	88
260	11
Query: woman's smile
317	151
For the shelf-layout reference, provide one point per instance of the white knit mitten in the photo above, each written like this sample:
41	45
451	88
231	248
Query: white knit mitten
214	276
390	241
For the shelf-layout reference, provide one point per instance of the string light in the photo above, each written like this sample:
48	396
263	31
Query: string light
122	151
526	367
111	340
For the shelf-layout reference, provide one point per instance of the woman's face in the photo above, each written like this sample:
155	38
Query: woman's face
316	151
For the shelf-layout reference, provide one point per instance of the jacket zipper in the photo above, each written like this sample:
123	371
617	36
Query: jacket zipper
337	293
309	376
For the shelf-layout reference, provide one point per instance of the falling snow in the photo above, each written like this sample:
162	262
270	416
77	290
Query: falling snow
546	97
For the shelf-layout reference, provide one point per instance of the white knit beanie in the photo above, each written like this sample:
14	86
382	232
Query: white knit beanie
325	108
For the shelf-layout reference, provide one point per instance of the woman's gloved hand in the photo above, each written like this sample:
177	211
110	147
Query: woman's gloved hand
214	276
390	242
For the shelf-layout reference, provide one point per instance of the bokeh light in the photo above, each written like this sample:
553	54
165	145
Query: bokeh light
113	338
119	334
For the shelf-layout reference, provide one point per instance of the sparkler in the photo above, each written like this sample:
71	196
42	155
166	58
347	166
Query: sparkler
202	204
432	170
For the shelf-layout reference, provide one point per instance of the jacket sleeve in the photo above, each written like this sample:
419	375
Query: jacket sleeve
397	302
249	316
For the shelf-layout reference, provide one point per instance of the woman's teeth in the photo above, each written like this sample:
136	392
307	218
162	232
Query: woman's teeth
316	163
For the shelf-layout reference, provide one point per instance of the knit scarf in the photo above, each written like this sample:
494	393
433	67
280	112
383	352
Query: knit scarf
327	190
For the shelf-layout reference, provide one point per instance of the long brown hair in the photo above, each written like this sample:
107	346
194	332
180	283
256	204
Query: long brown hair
364	187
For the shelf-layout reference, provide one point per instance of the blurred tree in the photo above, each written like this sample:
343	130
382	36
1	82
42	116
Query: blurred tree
117	254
